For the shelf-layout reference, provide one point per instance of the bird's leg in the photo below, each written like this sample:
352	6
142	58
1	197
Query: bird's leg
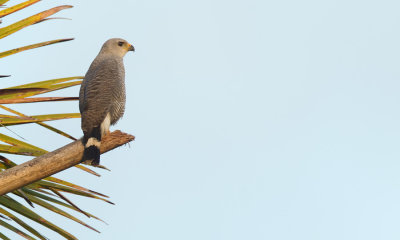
105	125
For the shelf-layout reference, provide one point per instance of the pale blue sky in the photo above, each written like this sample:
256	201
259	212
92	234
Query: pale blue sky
254	119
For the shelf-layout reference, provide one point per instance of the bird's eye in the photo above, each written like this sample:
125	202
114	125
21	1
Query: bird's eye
120	43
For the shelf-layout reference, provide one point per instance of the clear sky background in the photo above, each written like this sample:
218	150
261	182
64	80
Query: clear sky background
253	119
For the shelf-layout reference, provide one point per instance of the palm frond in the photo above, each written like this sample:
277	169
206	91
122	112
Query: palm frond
6	31
48	193
3	1
17	7
32	46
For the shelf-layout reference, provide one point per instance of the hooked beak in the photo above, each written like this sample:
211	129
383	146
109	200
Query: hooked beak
131	48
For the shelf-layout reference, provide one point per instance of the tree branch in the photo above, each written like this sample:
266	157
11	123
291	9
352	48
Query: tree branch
53	162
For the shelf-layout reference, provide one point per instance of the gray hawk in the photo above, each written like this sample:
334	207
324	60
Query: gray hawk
102	96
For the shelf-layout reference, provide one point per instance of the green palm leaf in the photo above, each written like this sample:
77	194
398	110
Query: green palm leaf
16	230
39	123
19	147
3	1
5	31
20	222
17	7
21	209
4	237
20	49
39	99
53	208
43	87
8	120
48	192
38	194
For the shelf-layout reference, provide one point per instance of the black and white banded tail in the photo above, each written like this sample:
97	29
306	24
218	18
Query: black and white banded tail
92	142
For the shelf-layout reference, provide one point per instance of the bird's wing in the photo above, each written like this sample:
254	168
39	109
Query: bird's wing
95	96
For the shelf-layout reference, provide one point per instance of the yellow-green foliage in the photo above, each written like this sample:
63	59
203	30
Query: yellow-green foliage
48	191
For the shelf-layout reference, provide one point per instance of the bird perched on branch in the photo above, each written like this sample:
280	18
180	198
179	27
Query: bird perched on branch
102	96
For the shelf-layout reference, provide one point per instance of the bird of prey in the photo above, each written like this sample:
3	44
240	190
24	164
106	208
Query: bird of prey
102	96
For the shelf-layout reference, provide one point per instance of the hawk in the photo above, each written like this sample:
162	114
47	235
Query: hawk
102	96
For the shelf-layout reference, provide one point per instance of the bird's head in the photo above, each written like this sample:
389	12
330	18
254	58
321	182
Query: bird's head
117	46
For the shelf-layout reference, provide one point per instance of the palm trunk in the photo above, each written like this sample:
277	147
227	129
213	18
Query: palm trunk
53	162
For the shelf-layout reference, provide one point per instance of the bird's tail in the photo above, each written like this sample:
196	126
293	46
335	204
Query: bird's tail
92	142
